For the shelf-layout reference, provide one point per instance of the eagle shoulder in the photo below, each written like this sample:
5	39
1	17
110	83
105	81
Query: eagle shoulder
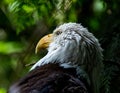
50	78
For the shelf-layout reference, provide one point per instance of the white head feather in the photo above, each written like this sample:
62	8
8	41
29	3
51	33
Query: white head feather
74	45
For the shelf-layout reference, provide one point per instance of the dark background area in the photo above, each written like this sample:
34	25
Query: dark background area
24	22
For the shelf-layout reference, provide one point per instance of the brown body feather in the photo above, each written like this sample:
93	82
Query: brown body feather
50	78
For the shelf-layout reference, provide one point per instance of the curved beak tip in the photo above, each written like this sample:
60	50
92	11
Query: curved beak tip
44	43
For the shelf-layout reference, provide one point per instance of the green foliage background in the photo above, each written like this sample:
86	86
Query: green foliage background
24	22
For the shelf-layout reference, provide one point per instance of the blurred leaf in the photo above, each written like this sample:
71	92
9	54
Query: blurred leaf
9	1
94	24
2	90
27	8
98	6
14	6
72	16
10	47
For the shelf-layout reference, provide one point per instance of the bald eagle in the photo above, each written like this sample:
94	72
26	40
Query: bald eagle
73	63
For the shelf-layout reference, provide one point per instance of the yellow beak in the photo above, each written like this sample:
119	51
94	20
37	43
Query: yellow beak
44	42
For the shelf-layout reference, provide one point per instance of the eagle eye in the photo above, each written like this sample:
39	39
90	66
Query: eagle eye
58	32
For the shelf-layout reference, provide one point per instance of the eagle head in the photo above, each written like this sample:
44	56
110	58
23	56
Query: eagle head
71	44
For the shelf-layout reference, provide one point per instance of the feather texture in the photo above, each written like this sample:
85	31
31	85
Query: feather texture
50	78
